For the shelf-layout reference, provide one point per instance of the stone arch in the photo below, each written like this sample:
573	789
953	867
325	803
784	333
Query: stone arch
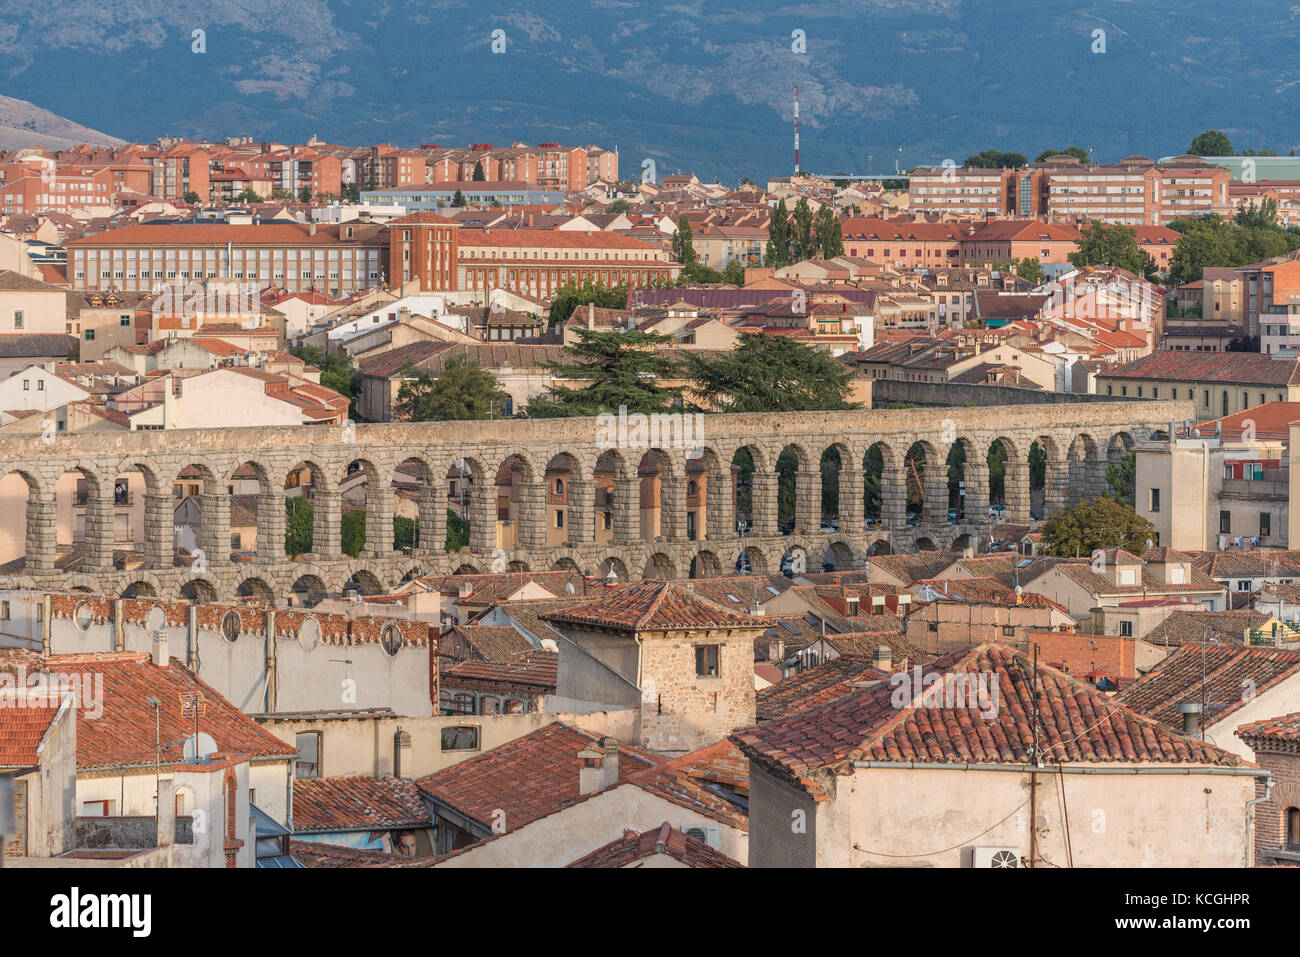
1006	460
565	564
566	512
365	581
748	559
309	590
926	544
965	481
1087	479
612	562
660	566
81	583
199	589
839	553
709	505
831	464
467	568
257	589
705	565
961	542
143	585
880	464
926	482
880	546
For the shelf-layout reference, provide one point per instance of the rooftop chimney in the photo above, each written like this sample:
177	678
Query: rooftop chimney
610	767
591	315
311	229
883	659
160	656
1191	712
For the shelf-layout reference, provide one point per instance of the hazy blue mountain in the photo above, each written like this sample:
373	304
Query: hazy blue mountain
701	85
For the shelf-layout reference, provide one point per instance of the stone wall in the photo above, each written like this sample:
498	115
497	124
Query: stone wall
1079	436
885	391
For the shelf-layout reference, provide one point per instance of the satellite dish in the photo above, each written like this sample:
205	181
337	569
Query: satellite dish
1019	591
568	588
156	620
548	644
199	747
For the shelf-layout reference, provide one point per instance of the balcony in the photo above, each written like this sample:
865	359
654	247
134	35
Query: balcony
1259	490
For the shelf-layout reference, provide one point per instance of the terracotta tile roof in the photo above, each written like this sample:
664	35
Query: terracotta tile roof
632	848
536	669
527	778
1217	676
1247	368
1284	730
1082	574
1268	421
204	234
496	643
654	606
11	281
1077	724
1196	625
318	854
357	804
124	733
23	726
701	780
815	686
913	567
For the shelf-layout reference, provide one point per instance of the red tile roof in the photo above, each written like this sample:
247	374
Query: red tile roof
356	804
814	687
654	606
689	781
23	726
124	734
1283	730
1222	678
1076	724
1268	421
536	669
1245	368
527	778
319	854
632	848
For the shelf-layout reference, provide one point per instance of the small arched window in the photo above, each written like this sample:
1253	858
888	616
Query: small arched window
559	486
1293	828
690	488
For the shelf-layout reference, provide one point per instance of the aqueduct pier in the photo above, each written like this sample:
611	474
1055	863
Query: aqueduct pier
641	509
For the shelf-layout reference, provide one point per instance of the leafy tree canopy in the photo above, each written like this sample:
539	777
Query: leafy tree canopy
1102	244
610	370
573	294
1078	152
771	374
1100	523
1211	143
463	391
995	159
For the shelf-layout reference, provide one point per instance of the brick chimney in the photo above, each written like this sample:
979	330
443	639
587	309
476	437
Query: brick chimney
610	765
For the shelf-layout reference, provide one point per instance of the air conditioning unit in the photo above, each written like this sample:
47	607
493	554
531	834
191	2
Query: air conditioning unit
993	857
701	832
